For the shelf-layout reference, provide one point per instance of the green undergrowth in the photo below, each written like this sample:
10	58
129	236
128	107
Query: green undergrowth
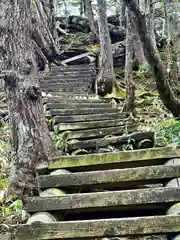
11	208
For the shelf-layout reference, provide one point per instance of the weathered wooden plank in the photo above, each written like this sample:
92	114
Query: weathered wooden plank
97	228
77	105
103	142
115	157
84	111
94	124
68	88
109	176
85	118
66	77
101	132
73	67
98	200
60	99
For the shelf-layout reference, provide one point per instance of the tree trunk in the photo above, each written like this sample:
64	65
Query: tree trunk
89	14
130	87
31	141
166	94
106	76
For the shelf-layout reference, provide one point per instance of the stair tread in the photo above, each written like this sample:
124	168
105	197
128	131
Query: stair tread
100	200
97	228
114	157
85	118
110	176
92	124
103	142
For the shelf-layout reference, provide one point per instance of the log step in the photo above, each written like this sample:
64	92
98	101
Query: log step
124	177
64	99
83	111
86	118
94	124
75	105
142	155
120	200
101	132
65	76
147	139
97	228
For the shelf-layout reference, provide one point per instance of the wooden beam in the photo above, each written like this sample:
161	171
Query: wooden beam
110	176
84	111
103	142
93	124
89	117
80	105
97	228
115	157
100	200
101	132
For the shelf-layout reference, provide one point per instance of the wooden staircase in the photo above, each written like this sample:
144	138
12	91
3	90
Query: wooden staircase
97	193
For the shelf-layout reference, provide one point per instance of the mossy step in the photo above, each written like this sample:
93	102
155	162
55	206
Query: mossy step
65	80
115	157
75	105
127	199
121	176
83	111
86	118
66	89
101	132
118	227
103	142
94	124
64	85
73	67
65	99
68	77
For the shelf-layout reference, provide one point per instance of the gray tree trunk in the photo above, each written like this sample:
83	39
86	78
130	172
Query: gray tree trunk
130	87
106	78
31	141
89	14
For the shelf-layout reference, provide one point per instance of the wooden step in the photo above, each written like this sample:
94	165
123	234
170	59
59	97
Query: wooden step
66	87
66	77
66	80
124	177
82	111
135	156
97	228
121	200
91	125
101	132
75	105
64	99
87	118
133	138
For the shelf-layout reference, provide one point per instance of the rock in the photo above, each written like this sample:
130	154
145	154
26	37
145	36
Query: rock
52	192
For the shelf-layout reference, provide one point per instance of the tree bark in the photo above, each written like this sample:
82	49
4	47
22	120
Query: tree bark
31	141
166	94
130	86
106	78
89	14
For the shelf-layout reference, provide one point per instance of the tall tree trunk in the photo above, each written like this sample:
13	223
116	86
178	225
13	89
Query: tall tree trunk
138	50
166	94
130	86
89	14
31	141
106	78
